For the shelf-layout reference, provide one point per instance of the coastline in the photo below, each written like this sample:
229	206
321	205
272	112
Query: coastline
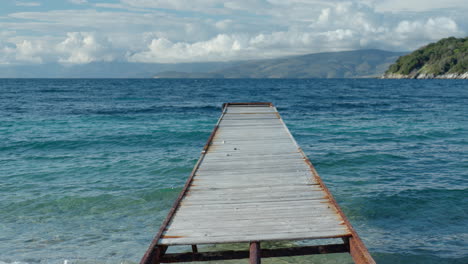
426	76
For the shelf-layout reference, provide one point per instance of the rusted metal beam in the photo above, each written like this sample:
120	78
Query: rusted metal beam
157	254
357	249
194	249
359	252
265	253
254	253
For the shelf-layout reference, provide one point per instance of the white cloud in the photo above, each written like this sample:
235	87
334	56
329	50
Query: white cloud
27	51
7	50
419	32
19	3
417	5
74	48
432	28
84	47
234	47
213	30
222	47
324	16
344	26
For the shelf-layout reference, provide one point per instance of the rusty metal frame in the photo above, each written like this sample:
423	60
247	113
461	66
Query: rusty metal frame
352	244
263	253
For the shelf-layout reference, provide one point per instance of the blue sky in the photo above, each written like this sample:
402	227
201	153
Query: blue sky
167	31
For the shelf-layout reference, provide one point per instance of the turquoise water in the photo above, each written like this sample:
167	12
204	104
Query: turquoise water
89	168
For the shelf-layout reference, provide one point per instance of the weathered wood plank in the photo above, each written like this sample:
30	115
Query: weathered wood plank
259	173
242	170
265	216
239	193
229	117
256	198
256	190
254	146
251	237
239	221
185	225
212	157
249	110
274	123
264	165
204	236
311	204
314	210
195	202
256	231
200	184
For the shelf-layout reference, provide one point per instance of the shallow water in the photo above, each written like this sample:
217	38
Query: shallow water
89	168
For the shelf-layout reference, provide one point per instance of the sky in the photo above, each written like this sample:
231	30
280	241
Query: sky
174	31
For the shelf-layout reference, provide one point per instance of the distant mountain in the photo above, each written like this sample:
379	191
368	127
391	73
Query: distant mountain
189	75
104	69
345	64
445	59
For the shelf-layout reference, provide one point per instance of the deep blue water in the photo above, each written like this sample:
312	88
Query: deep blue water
89	168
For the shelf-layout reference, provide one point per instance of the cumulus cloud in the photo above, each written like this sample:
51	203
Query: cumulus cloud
221	47
28	51
343	26
15	50
74	48
432	28
229	47
84	47
215	30
7	50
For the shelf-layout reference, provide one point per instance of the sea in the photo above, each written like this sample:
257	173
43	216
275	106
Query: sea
89	168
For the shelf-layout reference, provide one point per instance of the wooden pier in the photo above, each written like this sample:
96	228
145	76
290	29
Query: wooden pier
253	184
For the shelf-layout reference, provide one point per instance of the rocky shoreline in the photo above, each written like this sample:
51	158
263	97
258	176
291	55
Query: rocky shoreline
425	76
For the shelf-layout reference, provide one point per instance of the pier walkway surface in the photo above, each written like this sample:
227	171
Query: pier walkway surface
253	184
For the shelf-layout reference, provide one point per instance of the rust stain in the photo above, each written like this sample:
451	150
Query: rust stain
172	236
